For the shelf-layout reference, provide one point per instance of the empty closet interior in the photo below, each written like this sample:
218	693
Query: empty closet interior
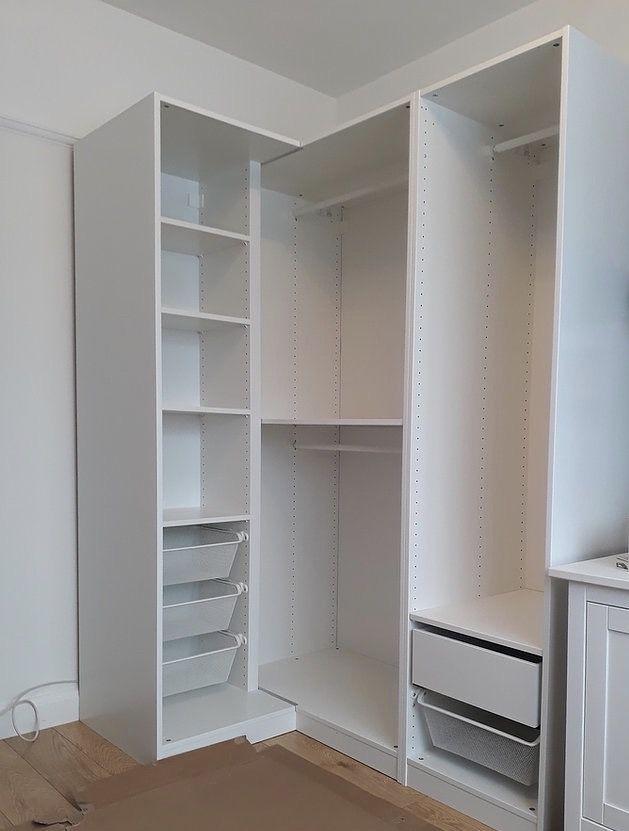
487	220
333	298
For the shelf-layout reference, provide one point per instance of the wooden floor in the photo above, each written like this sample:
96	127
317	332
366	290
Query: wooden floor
42	778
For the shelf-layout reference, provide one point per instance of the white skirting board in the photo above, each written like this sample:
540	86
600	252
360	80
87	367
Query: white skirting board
378	758
55	705
506	810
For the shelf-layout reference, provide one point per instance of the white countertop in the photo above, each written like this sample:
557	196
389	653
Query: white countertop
601	571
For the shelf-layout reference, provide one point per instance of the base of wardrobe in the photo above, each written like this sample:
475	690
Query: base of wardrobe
345	700
487	797
217	714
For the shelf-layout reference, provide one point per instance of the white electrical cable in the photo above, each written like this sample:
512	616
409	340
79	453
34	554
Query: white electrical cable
19	700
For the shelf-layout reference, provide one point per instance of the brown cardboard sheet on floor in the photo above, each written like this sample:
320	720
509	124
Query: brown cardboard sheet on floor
267	790
148	777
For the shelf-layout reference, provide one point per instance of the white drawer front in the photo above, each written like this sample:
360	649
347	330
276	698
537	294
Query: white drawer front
498	683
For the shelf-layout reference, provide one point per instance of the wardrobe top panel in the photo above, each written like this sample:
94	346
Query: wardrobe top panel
519	91
193	138
362	154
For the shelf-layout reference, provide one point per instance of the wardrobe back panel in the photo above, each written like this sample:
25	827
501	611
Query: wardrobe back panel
299	543
517	368
485	338
372	303
300	311
506	314
369	549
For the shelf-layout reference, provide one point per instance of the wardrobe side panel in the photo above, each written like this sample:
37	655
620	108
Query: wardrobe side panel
447	406
373	307
117	204
589	437
247	615
544	228
590	469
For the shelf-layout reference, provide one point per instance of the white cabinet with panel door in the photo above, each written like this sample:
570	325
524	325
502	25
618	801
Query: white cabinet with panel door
597	718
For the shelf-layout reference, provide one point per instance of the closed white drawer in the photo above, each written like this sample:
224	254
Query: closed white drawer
499	683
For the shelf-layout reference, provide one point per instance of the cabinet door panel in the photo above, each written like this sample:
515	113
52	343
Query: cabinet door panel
606	757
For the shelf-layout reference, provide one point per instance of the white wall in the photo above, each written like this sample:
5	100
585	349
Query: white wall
37	440
606	21
70	65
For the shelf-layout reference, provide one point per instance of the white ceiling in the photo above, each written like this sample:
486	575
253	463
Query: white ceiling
331	45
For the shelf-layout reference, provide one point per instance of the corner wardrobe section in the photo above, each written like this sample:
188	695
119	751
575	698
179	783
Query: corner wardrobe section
333	298
218	322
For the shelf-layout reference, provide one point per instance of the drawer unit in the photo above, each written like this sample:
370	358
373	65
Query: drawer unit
494	681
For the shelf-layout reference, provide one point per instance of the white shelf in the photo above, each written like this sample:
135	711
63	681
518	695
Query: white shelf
479	781
183	237
189	321
348	692
349	448
336	422
514	619
197	516
193	719
195	410
601	571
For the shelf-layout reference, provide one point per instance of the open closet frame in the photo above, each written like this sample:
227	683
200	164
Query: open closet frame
152	411
168	400
478	609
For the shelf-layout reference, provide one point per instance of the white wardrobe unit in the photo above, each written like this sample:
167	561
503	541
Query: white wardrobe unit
167	260
334	264
324	461
516	414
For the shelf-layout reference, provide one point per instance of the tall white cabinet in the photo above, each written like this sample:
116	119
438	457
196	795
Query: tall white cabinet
516	413
341	405
168	392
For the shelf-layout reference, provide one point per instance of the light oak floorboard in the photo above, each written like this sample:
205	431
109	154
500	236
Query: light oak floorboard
377	784
98	749
59	762
25	794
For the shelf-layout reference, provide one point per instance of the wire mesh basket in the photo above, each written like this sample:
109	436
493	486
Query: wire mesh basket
199	553
199	608
201	661
504	746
